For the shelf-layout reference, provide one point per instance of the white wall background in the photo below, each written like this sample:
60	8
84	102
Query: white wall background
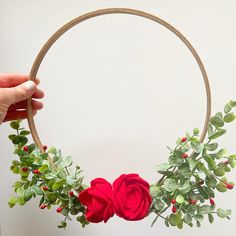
119	89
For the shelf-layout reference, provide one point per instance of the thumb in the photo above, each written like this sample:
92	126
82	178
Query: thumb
21	92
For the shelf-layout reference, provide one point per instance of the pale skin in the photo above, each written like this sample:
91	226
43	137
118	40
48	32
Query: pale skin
15	89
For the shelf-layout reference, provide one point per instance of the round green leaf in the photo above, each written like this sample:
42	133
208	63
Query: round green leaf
227	108
217	134
217	121
174	219
205	209
219	171
15	125
210	218
222	213
180	199
229	117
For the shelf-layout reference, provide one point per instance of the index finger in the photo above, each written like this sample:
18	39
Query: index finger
12	80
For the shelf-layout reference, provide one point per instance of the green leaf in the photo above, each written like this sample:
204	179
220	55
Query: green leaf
198	224
170	185
217	134
222	153
50	176
67	161
31	147
19	139
11	136
203	192
198	217
222	213
185	171
196	131
210	130
180	199
37	190
211	163
205	209
43	168
24	132
12	202
229	117
192	209
174	219
210	218
21	201
211	182
219	114
51	196
185	188
219	171
62	225
15	125
28	194
221	188
212	146
217	121
197	147
187	218
233	103
167	223
176	160
232	161
180	225
201	167
154	190
227	107
70	179
58	184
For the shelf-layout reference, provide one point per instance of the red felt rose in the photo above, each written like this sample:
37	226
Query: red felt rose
98	201
131	197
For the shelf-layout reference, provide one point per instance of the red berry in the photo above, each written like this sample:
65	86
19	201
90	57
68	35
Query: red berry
25	148
45	188
173	201
71	193
36	172
185	155
184	139
45	147
25	169
59	209
212	202
193	202
174	209
229	186
43	206
226	162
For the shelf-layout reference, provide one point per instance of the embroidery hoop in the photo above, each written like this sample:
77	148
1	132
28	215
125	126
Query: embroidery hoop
84	17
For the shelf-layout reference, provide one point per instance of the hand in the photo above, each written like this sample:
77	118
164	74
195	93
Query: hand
14	91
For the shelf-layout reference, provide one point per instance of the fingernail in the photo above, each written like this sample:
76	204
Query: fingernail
37	81
30	85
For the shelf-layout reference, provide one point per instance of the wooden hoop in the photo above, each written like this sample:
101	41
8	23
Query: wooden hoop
89	15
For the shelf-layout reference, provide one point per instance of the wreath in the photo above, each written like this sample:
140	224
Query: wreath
184	194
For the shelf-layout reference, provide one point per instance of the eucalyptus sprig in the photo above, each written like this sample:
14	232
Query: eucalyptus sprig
39	177
189	182
190	178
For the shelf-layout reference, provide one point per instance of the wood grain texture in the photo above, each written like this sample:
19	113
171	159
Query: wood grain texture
72	23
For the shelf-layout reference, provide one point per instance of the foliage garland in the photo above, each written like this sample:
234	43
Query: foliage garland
186	189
